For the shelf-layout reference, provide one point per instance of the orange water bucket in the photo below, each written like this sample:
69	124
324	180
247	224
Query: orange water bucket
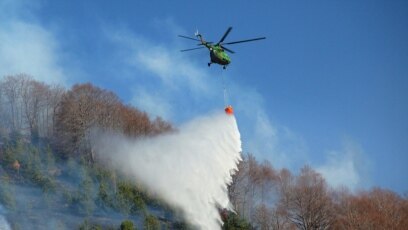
229	110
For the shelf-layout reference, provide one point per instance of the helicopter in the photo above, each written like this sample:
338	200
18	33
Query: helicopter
217	50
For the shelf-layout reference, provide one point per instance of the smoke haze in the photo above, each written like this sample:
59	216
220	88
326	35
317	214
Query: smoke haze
190	168
4	225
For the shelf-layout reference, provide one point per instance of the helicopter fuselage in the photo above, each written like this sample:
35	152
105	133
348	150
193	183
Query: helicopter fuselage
218	55
217	50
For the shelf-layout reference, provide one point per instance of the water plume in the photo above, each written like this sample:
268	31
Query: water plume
190	168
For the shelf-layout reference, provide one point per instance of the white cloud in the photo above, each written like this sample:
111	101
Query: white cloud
173	70
346	167
27	47
153	103
263	137
276	143
167	81
12	9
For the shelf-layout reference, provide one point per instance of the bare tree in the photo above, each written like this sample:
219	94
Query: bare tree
376	209
81	109
254	193
11	89
33	96
285	183
239	188
53	101
159	126
262	217
310	206
28	106
86	107
267	181
134	122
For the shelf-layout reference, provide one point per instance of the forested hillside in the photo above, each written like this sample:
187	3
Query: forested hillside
50	178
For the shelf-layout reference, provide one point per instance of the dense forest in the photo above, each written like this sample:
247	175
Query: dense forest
50	179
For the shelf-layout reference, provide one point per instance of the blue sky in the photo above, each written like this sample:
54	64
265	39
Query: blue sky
328	87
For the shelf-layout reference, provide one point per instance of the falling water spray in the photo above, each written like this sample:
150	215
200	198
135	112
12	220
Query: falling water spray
190	168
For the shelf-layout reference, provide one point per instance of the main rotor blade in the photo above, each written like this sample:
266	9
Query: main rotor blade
192	49
248	40
226	49
201	44
195	39
225	34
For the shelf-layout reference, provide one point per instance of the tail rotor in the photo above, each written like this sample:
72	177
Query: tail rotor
197	34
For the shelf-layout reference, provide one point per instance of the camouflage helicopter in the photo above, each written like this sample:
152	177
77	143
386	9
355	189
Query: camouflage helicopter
217	51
